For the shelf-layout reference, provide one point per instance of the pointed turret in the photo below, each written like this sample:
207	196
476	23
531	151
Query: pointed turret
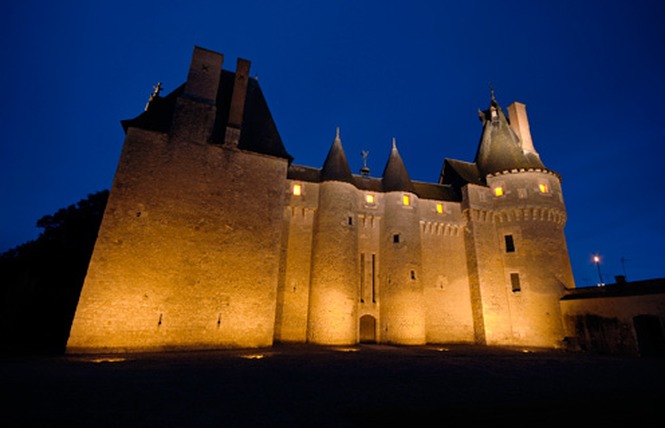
336	167
500	148
395	176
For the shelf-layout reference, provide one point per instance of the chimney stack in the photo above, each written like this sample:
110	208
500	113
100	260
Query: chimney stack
237	109
520	124
195	111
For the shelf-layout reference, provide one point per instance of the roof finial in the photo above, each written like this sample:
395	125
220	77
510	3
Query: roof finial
337	134
155	93
394	144
492	91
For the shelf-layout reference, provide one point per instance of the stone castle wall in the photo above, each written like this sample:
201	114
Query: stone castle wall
204	244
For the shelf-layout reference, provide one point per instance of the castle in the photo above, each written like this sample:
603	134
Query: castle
214	238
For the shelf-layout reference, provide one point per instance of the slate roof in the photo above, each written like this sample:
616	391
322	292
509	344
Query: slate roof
336	167
259	133
500	148
395	175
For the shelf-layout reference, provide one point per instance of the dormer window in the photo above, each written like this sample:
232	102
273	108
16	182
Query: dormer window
297	189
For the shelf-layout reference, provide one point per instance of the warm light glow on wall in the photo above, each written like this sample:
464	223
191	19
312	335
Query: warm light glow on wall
498	191
406	200
439	208
369	198
297	189
542	187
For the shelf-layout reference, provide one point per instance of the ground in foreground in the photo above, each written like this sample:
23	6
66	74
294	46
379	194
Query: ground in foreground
367	385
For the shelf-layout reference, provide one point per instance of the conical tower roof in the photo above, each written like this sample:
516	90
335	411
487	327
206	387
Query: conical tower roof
500	148
336	167
395	176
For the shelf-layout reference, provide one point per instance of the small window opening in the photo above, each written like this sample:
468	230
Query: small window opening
543	188
413	275
369	198
515	282
406	200
396	238
350	221
498	191
439	208
297	189
510	244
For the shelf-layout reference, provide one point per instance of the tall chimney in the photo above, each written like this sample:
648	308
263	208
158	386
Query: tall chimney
520	124
237	109
195	111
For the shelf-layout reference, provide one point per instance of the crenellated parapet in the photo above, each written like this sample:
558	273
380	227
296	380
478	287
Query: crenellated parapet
506	215
521	170
440	228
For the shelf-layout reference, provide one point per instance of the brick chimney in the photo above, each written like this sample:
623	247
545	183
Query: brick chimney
237	109
195	111
520	124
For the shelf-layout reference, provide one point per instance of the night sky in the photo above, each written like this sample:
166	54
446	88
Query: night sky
592	75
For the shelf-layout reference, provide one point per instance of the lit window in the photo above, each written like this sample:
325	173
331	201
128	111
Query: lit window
498	191
369	198
439	208
297	189
543	188
406	200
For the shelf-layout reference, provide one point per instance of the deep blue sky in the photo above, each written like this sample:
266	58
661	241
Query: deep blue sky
592	75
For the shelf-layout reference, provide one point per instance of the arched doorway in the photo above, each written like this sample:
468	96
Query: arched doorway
367	329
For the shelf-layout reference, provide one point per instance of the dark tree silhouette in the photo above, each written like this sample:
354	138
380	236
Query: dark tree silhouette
41	280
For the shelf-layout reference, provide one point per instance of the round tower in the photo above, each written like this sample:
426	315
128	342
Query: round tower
522	258
402	305
332	317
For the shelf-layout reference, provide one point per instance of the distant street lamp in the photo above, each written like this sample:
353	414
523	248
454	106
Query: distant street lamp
596	260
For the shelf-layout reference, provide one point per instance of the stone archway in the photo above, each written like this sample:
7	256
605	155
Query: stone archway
367	329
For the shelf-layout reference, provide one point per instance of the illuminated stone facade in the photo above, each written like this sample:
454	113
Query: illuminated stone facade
214	238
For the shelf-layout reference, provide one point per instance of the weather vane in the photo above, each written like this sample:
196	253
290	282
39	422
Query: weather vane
365	169
156	90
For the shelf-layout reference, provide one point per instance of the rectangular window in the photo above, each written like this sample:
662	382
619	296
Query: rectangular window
369	198
510	244
439	208
542	187
396	238
498	191
413	275
406	200
297	189
373	278
362	277
515	282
